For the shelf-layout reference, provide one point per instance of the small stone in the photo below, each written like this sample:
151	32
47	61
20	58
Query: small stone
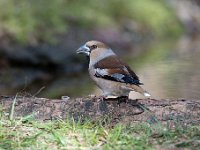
65	98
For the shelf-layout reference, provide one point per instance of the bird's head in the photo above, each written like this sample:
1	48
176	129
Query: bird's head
92	47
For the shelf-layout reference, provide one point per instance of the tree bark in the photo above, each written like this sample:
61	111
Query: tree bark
121	110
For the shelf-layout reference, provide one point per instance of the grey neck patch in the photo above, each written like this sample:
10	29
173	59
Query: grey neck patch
101	56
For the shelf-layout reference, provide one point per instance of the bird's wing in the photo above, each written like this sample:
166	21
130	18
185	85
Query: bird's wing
112	68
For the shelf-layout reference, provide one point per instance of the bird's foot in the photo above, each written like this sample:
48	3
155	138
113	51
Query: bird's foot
101	98
122	99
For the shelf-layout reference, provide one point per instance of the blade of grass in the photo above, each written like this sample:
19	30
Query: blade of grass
11	114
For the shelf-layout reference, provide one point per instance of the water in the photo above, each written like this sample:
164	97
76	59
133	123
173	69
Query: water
172	70
168	69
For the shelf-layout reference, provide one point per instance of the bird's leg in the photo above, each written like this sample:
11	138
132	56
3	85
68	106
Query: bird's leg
101	98
107	96
122	99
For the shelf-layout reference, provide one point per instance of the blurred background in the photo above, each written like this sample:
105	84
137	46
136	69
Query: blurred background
159	39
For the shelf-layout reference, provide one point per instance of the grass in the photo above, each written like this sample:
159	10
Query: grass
27	133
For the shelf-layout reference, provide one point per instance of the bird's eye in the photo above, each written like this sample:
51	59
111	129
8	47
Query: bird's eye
93	47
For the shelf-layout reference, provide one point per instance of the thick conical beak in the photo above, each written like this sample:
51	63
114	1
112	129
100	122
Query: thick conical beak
83	49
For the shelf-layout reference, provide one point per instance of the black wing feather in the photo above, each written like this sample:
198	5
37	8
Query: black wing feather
124	78
112	68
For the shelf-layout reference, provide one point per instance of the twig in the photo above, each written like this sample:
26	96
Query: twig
39	91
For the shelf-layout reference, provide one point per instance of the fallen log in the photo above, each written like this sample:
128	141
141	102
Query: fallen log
186	112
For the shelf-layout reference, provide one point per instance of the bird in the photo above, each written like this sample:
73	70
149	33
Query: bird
114	77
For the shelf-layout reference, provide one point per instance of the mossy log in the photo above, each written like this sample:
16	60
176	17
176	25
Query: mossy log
121	110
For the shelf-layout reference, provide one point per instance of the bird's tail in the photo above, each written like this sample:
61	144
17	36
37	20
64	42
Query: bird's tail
137	88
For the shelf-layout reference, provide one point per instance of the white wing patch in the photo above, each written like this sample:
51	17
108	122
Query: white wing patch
104	73
118	77
101	72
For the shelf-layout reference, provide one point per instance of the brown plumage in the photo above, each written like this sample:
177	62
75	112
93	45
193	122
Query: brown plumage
112	75
115	65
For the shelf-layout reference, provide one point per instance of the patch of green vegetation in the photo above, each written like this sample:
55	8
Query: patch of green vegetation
153	15
26	132
40	20
27	20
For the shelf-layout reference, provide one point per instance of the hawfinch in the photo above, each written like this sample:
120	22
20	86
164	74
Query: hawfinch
112	76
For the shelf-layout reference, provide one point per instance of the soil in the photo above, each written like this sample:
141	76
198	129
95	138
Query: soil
121	110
